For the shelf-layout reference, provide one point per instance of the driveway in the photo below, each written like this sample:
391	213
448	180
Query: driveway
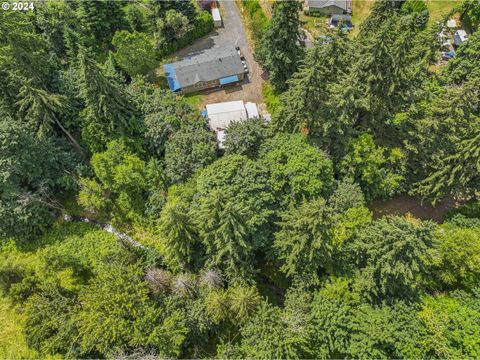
232	34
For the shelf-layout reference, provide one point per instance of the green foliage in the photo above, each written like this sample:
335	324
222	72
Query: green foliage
221	225
190	149
98	22
470	10
414	6
270	334
165	114
452	328
244	184
390	256
466	63
177	233
49	328
109	113
267	219
31	170
25	55
457	257
272	99
245	138
116	314
119	188
257	21
202	26
280	48
304	241
134	53
308	105
379	171
296	168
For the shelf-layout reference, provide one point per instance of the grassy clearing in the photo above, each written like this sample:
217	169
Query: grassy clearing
272	99
360	11
315	25
194	100
439	8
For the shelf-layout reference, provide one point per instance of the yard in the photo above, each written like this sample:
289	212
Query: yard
361	10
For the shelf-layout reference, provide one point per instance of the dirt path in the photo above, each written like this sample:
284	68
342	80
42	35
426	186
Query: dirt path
403	204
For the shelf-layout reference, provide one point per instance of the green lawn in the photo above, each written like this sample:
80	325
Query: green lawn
440	8
315	25
437	9
360	11
193	99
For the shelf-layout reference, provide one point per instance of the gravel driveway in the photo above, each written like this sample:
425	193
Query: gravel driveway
232	34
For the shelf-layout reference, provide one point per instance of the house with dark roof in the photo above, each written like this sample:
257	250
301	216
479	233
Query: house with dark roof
215	68
328	7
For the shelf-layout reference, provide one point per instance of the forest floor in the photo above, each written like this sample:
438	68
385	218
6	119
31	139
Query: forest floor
403	204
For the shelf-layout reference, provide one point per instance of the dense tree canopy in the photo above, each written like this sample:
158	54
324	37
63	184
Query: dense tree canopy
127	232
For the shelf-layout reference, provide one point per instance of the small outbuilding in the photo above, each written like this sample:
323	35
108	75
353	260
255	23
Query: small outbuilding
460	37
221	115
217	19
252	110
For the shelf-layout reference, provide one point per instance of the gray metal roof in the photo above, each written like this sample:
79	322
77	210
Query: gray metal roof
212	65
318	4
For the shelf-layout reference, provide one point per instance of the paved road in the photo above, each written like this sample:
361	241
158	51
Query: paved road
230	35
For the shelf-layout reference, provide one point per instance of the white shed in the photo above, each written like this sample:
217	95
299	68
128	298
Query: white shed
460	37
452	24
252	111
220	115
217	19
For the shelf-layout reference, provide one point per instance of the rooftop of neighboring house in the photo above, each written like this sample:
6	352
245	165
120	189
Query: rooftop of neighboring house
212	65
318	4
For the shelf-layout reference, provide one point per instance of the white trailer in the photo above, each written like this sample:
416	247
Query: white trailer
217	19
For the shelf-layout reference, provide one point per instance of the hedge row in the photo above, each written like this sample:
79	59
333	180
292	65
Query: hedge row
203	25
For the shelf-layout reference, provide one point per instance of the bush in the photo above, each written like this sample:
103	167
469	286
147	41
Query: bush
203	25
257	21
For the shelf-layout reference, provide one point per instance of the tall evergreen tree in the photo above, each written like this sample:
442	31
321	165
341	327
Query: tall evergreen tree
41	111
98	21
222	229
307	104
303	242
281	47
177	233
109	113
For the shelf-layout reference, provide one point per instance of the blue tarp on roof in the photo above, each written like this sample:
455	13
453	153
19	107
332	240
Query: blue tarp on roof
229	80
171	77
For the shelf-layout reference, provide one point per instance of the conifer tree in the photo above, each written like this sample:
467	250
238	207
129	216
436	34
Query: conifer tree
109	113
222	229
41	110
303	242
307	103
178	234
281	47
